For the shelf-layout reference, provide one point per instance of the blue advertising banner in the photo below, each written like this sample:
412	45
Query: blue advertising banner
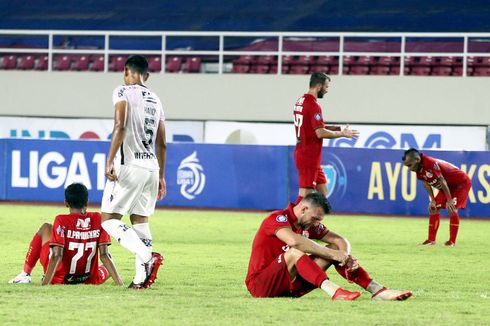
376	181
240	176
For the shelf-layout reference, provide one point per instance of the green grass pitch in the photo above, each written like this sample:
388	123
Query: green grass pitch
202	279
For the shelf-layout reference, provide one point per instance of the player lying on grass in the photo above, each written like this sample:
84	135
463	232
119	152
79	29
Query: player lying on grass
286	263
453	185
68	248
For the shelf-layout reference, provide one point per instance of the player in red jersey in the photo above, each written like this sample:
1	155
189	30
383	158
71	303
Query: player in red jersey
310	132
286	263
453	185
68	248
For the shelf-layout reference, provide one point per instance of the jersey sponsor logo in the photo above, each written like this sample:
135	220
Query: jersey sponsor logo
83	224
281	218
319	228
429	174
318	117
336	175
60	231
191	177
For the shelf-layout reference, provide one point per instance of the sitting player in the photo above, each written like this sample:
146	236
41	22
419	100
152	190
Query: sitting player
68	249
286	263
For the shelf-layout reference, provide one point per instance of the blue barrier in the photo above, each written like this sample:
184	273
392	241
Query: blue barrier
239	176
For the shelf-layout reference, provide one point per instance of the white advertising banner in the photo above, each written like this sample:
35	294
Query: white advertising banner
97	129
371	136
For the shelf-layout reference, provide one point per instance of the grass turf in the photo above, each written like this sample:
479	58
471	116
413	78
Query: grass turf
202	279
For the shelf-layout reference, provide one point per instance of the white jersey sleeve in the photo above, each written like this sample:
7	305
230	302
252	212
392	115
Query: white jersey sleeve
119	95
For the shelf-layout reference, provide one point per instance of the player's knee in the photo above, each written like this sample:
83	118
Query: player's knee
45	229
292	255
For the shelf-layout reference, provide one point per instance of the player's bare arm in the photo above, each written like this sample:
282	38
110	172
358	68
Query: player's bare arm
106	259
53	264
161	152
305	245
430	191
346	132
117	138
336	241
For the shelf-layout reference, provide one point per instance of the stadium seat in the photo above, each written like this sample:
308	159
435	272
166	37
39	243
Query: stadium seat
97	63
173	64
42	63
302	60
364	60
420	71
395	70
424	61
326	60
380	70
481	71
192	64
388	61
259	69
273	69
81	63
9	62
441	71
241	69
245	59
348	60
62	62
287	60
319	68
298	70
265	59
358	70
117	63
26	62
482	61
155	64
333	69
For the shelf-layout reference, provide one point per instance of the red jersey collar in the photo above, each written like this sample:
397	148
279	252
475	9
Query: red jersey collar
293	218
314	98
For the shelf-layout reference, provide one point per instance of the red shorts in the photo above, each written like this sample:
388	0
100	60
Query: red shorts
311	177
459	194
274	281
99	278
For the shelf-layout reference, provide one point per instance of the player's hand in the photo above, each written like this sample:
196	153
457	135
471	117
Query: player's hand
348	133
432	206
341	256
162	188
110	173
351	263
451	209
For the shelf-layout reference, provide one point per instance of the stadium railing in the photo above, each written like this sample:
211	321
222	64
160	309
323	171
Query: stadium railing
423	54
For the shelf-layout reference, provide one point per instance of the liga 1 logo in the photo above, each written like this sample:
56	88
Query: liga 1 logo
335	174
191	177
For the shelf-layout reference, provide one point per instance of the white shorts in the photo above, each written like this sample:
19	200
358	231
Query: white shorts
134	192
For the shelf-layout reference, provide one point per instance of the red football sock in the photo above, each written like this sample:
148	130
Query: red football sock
359	276
453	226
310	271
300	198
434	220
33	253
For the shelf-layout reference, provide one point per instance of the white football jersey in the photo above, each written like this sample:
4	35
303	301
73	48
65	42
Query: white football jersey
144	113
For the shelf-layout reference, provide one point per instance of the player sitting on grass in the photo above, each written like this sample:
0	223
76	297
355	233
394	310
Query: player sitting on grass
286	263
68	249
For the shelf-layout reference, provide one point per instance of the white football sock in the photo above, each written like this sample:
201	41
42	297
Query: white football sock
374	287
143	232
127	238
329	287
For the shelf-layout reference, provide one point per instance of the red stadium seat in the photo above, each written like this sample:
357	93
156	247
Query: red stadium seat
42	63
265	59
97	63
287	60
348	60
302	60
441	71
420	71
241	69
154	64
380	70
9	62
259	69
482	61
388	61
26	62
298	70
62	62
273	69
364	60
358	70
173	64
192	64
333	69
319	68
245	59
481	71
395	70
424	61
117	63
81	63
327	60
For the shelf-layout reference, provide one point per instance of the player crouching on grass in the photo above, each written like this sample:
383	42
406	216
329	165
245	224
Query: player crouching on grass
286	263
68	248
453	185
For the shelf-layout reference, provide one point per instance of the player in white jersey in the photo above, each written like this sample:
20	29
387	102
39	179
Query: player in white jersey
135	169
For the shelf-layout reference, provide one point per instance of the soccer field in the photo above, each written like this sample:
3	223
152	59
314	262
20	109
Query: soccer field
202	279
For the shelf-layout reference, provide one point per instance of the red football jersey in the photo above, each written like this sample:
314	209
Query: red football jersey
308	117
267	246
80	237
432	168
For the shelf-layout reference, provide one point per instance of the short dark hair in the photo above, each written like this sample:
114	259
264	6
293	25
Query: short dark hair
76	195
412	152
137	63
318	200
318	78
